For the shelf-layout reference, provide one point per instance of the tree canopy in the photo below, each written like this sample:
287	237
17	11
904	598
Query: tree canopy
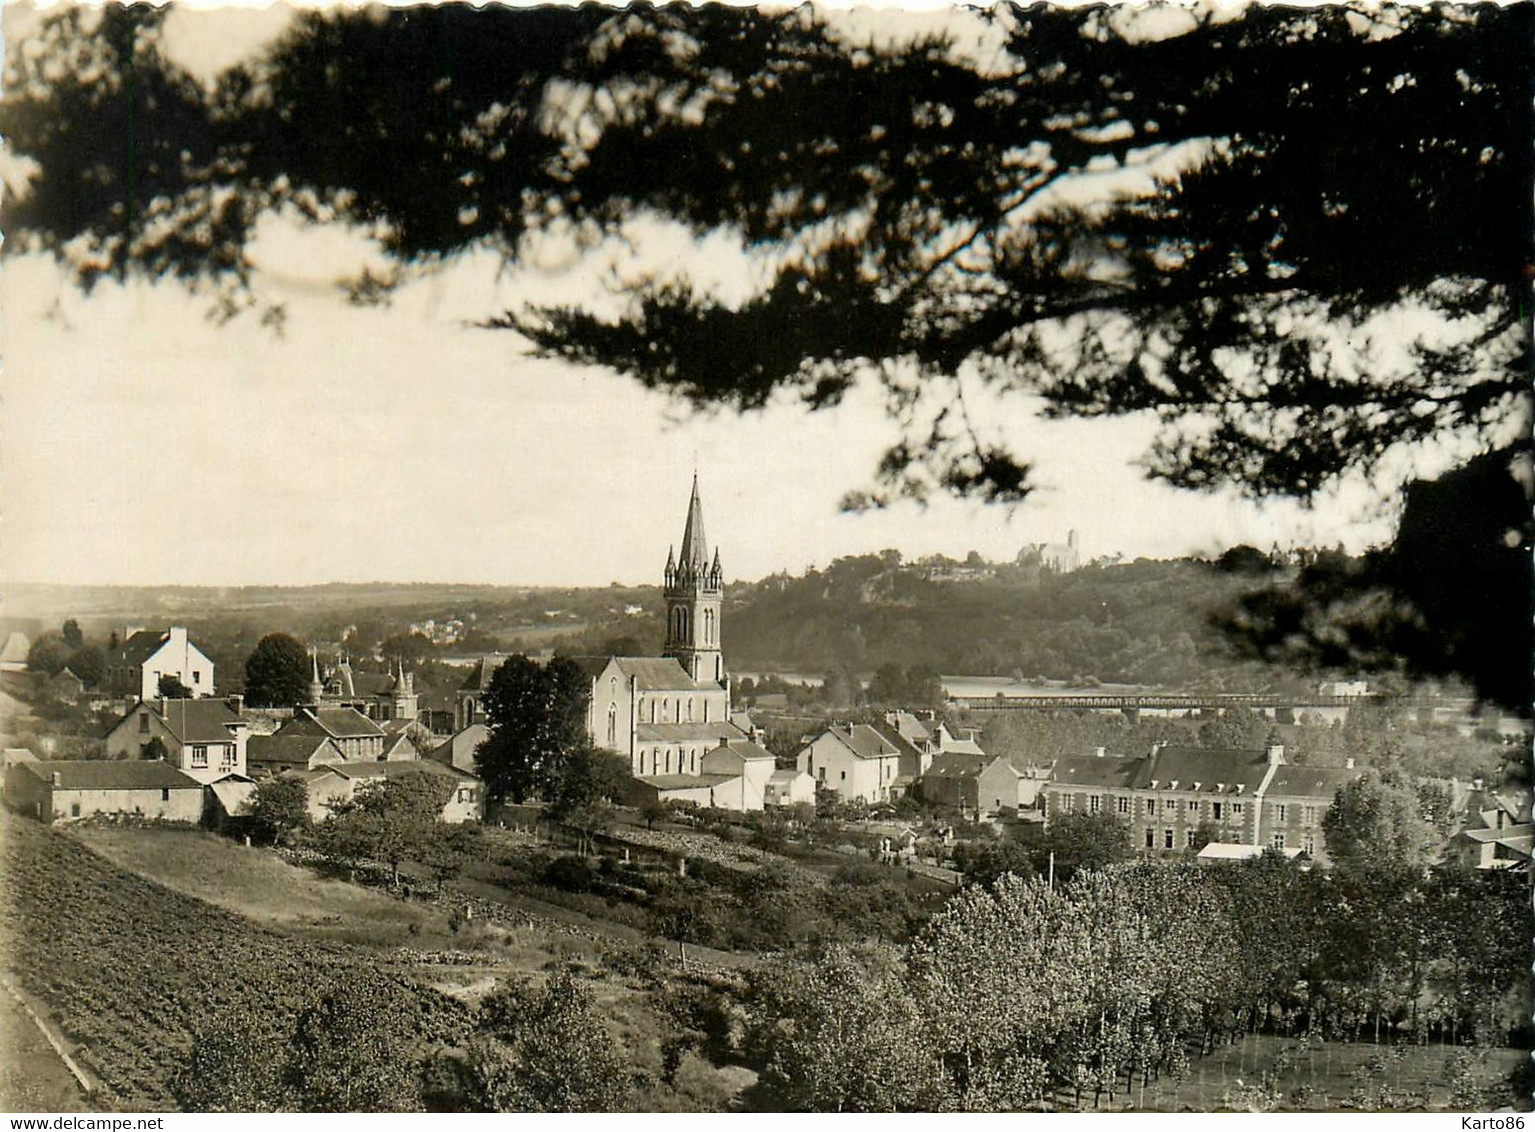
277	672
1297	238
537	718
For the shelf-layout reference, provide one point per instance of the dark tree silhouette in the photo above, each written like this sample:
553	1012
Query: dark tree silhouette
1297	238
537	719
278	672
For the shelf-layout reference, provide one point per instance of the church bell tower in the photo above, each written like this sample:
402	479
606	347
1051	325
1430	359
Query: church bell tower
694	588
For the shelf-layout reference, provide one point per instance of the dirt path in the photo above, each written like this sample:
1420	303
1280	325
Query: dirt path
39	1075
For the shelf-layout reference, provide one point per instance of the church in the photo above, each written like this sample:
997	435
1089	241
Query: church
666	714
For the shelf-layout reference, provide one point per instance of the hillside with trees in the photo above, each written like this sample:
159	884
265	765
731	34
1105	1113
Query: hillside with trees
1144	622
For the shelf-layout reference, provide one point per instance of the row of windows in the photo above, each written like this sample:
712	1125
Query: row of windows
1125	806
1195	807
660	760
681	620
1169	840
226	757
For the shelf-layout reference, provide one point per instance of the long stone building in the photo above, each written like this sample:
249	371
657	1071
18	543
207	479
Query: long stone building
1239	797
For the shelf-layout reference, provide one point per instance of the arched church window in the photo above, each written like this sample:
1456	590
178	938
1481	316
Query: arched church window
652	711
668	761
612	724
706	711
690	709
678	717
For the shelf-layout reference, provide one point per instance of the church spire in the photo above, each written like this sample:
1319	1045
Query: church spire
694	553
316	685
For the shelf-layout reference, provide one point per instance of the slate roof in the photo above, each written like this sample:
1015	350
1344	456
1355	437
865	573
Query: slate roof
661	674
196	721
956	765
1318	782
863	741
593	666
484	668
892	735
1089	770
909	727
292	749
342	723
745	749
96	774
397	769
1216	769
686	781
144	644
785	776
715	731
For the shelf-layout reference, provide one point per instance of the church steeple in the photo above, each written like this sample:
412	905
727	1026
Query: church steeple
695	554
694	589
316	685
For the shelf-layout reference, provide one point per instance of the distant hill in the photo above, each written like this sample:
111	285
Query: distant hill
1143	622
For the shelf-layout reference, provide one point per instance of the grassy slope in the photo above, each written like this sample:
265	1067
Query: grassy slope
259	886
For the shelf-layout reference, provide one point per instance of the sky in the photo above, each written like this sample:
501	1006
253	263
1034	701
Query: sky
142	442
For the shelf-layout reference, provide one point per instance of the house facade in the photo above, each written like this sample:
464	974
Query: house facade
135	667
69	790
1177	794
854	761
357	737
978	784
788	787
204	739
276	753
334	784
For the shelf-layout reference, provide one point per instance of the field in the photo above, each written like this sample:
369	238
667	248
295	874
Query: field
131	970
1330	1080
150	958
167	928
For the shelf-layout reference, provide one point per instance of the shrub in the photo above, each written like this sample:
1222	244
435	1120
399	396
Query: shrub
570	874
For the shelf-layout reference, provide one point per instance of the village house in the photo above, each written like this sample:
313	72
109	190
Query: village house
135	667
297	750
458	751
357	737
915	747
205	739
788	787
334	784
68	790
975	784
744	760
854	761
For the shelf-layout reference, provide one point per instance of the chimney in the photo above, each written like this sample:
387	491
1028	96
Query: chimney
1477	783
178	637
236	702
1276	754
57	778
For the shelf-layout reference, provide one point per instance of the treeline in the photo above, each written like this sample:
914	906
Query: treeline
1016	992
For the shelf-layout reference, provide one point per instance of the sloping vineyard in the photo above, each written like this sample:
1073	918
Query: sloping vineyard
134	971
